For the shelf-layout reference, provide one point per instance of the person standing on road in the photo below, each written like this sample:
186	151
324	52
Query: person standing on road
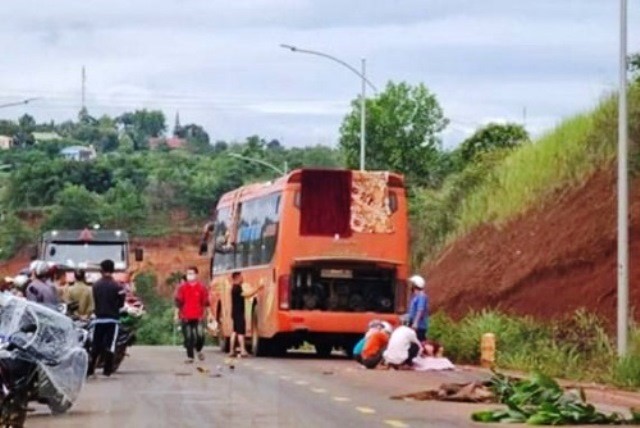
192	300
80	297
419	308
108	298
239	293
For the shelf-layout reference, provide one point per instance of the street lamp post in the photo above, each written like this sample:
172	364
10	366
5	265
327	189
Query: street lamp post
261	162
365	82
623	192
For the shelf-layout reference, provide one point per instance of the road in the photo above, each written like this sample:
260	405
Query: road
156	389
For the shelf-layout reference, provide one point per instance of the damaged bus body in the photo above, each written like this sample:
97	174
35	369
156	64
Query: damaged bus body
330	248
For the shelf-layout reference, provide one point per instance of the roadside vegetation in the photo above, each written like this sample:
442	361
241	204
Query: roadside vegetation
501	184
131	183
157	326
575	348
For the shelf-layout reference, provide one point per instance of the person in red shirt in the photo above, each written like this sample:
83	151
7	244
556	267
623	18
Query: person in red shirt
192	300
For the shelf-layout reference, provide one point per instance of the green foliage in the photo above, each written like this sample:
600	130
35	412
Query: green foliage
13	235
576	347
124	207
541	401
497	189
76	208
157	325
143	124
493	137
403	126
435	214
129	188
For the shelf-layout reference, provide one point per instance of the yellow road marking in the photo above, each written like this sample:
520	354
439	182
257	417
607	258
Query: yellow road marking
396	423
319	390
366	410
341	399
302	382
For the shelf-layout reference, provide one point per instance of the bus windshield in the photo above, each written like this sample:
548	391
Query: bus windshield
81	254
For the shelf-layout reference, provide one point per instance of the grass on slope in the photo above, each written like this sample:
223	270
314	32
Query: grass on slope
498	187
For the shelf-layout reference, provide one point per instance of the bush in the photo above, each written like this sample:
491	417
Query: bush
157	326
13	236
576	347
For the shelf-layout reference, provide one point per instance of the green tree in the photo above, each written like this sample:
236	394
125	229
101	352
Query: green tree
125	143
27	123
403	127
196	137
125	207
143	124
76	208
491	137
13	235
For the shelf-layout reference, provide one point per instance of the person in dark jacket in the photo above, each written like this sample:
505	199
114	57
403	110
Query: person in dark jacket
108	298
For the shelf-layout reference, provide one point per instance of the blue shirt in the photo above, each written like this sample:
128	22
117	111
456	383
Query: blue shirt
419	302
357	349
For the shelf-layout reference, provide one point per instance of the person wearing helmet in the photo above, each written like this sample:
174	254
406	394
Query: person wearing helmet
40	290
419	308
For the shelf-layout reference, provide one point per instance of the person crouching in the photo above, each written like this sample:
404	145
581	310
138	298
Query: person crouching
375	345
403	347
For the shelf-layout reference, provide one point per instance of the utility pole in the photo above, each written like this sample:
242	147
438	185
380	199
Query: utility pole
623	191
84	89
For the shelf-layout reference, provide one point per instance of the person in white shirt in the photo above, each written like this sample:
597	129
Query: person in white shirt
403	347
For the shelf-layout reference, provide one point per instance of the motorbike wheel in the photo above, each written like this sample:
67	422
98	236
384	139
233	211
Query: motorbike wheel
58	408
118	358
13	411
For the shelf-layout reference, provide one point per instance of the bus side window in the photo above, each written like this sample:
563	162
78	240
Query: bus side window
296	200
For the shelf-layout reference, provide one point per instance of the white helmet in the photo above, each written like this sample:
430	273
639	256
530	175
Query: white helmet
39	268
387	327
20	280
417	281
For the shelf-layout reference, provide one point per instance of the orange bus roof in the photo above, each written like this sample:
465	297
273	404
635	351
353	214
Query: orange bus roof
254	190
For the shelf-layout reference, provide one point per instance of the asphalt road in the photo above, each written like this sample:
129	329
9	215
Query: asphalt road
156	389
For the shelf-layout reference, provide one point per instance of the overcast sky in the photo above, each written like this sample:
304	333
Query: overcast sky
220	65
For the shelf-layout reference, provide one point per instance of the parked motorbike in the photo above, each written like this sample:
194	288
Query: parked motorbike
126	334
41	360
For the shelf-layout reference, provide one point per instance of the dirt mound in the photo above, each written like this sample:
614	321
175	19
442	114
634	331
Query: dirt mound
558	257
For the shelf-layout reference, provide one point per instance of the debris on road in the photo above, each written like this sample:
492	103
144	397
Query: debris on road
473	392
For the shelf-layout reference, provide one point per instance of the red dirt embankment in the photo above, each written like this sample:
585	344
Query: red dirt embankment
163	256
558	257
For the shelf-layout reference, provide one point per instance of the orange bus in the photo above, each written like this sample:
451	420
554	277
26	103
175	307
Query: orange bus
330	248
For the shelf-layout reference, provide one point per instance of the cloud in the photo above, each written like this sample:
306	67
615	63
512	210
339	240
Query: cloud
219	63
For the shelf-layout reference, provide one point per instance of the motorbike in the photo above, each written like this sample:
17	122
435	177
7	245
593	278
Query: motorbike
126	334
41	360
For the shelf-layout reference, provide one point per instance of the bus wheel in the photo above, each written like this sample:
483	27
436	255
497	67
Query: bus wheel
323	349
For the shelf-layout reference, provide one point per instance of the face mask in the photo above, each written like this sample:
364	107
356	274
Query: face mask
191	277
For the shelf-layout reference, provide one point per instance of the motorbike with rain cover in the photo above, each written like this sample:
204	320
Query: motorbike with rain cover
41	359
